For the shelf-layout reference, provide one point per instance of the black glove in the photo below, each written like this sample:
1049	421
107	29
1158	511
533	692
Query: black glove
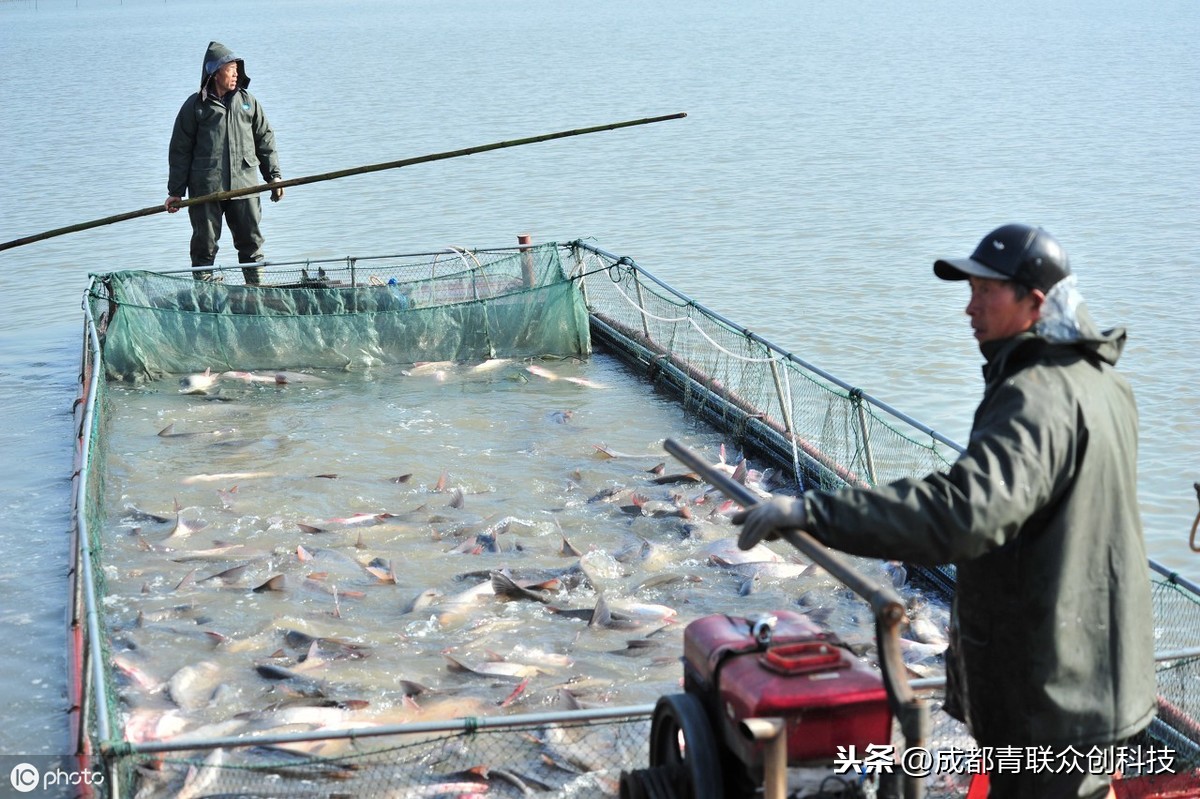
762	522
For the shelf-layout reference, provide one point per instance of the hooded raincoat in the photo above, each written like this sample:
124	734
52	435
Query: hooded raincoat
1052	629
221	145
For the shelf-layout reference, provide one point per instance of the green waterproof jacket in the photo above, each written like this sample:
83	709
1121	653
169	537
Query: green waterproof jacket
221	144
1052	629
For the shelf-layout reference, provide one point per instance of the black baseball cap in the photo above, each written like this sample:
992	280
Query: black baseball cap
1020	253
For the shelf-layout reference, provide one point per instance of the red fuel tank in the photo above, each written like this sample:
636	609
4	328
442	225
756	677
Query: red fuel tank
785	666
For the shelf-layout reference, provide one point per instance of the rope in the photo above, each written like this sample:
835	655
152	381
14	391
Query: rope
783	362
1195	525
692	322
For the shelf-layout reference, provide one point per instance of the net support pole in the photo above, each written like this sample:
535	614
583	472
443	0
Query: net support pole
866	434
785	401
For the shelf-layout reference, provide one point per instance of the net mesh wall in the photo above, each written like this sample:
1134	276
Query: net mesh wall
342	314
471	305
827	433
577	759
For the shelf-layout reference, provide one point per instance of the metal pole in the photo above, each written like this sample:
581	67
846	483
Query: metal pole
637	287
785	400
774	732
856	397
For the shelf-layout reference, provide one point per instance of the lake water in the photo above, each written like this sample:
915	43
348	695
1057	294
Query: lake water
830	154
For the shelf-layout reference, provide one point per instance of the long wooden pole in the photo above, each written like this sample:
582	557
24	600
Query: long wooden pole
340	173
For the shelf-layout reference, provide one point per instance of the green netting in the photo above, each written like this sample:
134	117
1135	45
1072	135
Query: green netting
352	313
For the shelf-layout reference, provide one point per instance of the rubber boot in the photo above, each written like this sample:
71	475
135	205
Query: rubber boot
252	274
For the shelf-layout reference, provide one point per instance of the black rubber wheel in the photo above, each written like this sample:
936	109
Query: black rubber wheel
660	782
682	739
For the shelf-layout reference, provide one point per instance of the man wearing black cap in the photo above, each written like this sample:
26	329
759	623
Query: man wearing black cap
1051	640
222	141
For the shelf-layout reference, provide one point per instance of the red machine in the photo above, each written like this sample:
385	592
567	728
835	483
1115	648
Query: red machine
784	666
780	666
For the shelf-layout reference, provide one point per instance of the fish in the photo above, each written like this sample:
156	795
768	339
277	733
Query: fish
543	372
536	657
492	668
455	607
491	364
188	581
277	673
585	382
568	550
335	647
199	383
503	585
169	432
227	576
668	479
225	477
540	371
137	675
218	552
725	552
607	452
132	513
192	686
588	748
275	583
227	497
605	494
665	578
279	378
462	790
915	652
153	724
356	520
199	780
637	647
422	600
927	624
185	527
382	570
438	370
299	377
641	610
604	616
767	570
600	615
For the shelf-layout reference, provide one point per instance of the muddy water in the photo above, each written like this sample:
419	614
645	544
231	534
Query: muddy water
480	471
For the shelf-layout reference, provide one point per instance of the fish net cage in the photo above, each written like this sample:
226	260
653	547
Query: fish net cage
342	314
466	305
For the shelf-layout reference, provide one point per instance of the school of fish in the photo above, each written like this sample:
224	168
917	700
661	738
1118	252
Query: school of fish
514	544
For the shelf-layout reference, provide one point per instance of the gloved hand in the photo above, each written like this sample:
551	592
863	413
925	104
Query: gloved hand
762	522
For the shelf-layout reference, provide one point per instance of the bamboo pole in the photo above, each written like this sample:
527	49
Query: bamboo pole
340	173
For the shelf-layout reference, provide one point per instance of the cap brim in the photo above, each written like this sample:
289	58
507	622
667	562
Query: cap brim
963	268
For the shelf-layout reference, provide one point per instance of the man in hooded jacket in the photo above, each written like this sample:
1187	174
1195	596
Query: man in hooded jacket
1051	640
222	141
